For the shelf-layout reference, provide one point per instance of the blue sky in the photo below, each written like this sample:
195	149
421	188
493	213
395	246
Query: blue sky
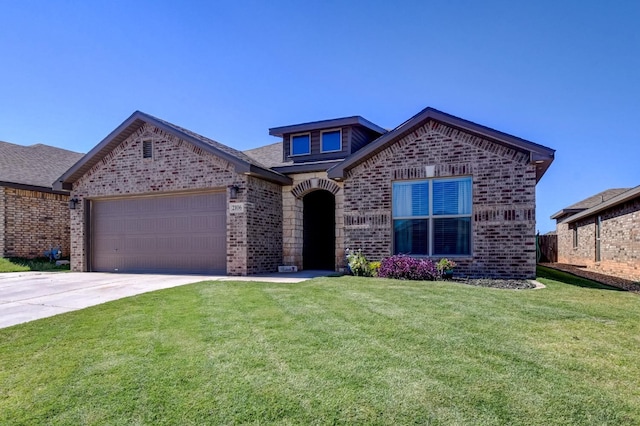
564	74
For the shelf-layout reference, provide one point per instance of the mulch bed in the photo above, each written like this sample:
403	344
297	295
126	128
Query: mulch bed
594	276
497	283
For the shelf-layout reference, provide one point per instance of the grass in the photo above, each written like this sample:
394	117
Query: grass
332	351
18	264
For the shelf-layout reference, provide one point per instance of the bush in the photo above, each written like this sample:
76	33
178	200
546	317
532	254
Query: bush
374	267
358	263
407	268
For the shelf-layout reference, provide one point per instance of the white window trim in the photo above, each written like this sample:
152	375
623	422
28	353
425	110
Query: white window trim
291	154
339	130
431	218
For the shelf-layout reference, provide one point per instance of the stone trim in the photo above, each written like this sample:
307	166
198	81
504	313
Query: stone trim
309	185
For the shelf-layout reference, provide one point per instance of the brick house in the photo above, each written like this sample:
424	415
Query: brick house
156	197
33	217
602	233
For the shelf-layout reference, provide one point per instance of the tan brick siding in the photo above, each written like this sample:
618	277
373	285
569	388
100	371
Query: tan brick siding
503	215
619	242
33	222
176	165
293	210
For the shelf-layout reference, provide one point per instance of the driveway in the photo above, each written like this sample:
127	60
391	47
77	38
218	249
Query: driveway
27	296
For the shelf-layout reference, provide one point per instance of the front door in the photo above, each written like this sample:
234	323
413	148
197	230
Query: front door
319	231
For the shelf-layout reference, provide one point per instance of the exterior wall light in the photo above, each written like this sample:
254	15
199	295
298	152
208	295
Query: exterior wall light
72	203
234	190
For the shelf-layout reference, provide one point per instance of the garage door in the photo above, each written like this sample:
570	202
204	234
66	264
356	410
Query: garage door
183	233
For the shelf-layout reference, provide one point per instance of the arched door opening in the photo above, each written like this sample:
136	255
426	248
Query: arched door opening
319	230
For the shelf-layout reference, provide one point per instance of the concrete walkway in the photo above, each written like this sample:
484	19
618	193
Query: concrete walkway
27	296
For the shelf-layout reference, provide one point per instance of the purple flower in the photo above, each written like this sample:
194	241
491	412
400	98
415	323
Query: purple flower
407	268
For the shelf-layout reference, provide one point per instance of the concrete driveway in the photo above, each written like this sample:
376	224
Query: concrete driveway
27	296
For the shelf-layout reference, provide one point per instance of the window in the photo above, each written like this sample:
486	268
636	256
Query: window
432	217
301	144
147	149
575	236
330	141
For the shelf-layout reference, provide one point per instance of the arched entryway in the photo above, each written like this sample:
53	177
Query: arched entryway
319	230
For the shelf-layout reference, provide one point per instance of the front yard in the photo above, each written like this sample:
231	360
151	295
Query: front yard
18	264
332	350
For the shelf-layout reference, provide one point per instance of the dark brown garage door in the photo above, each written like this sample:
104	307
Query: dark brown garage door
183	233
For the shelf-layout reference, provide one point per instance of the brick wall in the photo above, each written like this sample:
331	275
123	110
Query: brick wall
619	242
32	222
175	165
264	220
2	221
503	214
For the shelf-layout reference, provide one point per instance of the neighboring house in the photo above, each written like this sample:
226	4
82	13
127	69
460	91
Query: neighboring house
33	217
155	197
602	233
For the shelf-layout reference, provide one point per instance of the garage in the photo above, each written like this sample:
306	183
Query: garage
177	233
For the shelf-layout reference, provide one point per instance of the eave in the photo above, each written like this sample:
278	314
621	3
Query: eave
612	202
48	190
326	124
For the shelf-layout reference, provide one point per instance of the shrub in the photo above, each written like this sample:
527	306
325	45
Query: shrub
358	263
374	267
445	264
407	268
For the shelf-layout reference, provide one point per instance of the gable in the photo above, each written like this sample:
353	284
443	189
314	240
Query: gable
173	163
537	154
242	163
435	149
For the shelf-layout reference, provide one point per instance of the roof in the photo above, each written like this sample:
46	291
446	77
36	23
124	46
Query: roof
243	163
620	198
326	124
34	165
590	202
269	155
539	154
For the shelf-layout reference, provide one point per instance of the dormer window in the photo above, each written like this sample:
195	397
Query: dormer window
331	141
301	144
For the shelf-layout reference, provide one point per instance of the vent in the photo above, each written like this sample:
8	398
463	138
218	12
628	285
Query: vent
147	149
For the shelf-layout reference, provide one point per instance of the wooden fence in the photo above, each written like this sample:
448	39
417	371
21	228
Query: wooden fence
547	248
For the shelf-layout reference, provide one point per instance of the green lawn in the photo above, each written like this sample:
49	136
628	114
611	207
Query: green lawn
17	264
332	351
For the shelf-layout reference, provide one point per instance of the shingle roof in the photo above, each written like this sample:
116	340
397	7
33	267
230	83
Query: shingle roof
34	165
269	155
217	145
590	202
612	198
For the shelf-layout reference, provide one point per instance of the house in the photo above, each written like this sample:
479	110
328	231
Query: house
33	217
155	197
602	233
